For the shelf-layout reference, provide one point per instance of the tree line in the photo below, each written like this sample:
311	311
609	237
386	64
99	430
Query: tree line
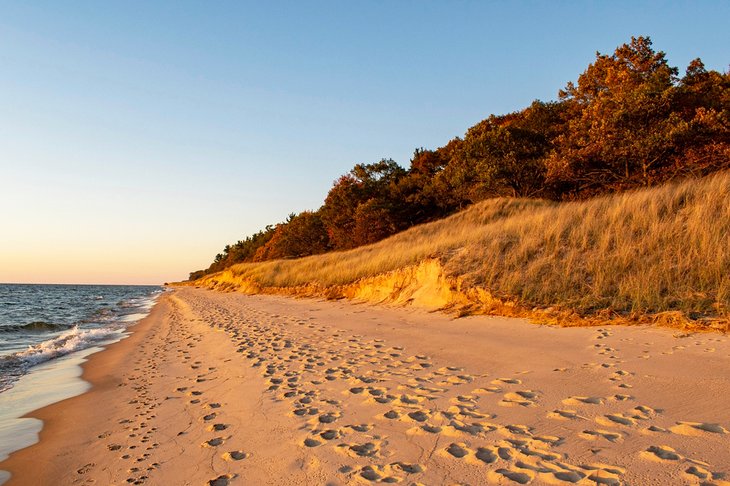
629	121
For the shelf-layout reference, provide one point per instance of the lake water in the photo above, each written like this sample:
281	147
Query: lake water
46	332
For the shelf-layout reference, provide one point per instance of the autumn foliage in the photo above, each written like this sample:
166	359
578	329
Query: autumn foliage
629	121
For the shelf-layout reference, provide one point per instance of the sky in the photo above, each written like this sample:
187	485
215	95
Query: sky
139	138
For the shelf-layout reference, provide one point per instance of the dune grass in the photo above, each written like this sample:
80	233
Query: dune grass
648	251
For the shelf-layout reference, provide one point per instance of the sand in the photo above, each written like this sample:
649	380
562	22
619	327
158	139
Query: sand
216	388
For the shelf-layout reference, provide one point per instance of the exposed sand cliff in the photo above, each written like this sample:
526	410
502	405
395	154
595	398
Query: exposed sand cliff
427	286
424	285
658	255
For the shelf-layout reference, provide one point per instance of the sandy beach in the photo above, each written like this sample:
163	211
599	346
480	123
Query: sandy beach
224	388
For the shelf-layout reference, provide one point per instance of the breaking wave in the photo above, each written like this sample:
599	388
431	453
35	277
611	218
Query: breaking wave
74	339
37	326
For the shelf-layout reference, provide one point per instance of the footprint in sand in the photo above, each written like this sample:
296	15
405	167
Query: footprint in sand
521	477
698	472
310	442
235	456
223	480
486	455
406	399
384	474
215	442
602	334
407	467
660	453
507	381
473	428
517	429
489	389
697	428
328	418
458	450
619	375
419	415
603	434
391	414
526	398
368	449
616	418
583	400
458	380
330	434
607	474
642	411
361	427
565	415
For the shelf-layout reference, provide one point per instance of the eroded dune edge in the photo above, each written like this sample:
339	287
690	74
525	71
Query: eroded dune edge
427	286
652	256
225	388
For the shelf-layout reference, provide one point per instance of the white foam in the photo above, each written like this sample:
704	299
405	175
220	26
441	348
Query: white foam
72	340
15	365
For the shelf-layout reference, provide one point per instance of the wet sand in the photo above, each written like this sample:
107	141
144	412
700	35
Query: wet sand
216	388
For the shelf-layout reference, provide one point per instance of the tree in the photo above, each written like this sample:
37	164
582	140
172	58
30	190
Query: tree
507	158
501	156
365	182
453	188
338	211
701	132
373	222
416	202
618	131
300	235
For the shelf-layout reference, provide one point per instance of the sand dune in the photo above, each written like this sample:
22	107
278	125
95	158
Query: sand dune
222	389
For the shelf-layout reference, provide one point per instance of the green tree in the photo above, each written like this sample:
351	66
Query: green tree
338	211
365	182
619	121
701	131
300	235
373	222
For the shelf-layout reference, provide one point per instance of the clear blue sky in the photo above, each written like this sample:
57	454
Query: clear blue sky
138	138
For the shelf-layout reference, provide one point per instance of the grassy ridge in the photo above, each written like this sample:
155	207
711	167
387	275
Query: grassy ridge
647	251
628	122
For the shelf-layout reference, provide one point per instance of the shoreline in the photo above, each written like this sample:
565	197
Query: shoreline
229	388
95	373
59	380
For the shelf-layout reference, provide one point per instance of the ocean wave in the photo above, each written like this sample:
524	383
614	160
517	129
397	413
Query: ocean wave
74	331
102	314
133	302
36	326
15	365
72	340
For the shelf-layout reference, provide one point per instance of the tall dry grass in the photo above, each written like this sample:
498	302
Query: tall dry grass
648	251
